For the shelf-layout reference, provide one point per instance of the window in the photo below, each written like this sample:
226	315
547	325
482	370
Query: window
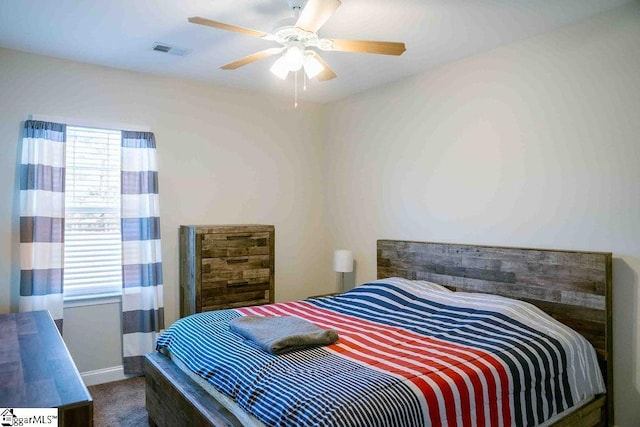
92	239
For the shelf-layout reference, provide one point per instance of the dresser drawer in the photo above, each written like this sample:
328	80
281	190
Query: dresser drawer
235	268
234	245
234	294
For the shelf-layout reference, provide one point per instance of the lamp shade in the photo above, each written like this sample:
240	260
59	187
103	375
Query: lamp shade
280	68
343	261
312	66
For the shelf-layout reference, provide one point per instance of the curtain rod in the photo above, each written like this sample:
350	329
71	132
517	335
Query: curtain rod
90	123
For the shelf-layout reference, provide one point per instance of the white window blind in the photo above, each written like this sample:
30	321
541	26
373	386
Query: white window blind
93	244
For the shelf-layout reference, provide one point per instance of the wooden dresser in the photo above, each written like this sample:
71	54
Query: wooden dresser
225	266
36	369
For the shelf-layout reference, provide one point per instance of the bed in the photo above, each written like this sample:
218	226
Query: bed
573	287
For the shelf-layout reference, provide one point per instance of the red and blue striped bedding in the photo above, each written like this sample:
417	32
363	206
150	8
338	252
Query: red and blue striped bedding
408	355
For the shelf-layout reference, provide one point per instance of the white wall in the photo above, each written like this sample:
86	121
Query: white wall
533	145
225	156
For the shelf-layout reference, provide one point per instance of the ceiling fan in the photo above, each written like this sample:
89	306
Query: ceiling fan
297	35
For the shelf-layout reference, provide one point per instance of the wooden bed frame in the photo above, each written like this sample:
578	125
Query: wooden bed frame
572	286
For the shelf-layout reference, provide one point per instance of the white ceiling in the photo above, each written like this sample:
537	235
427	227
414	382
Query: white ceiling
121	34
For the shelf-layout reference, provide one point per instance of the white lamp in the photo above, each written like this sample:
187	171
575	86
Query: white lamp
312	66
280	68
294	58
342	263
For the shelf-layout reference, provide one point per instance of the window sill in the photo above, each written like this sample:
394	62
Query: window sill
98	299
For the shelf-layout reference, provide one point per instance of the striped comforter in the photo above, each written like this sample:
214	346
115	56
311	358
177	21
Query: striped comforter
409	354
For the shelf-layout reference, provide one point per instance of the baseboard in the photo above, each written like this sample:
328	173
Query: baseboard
106	375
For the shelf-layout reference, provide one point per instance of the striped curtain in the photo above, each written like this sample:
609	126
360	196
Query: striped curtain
42	175
142	301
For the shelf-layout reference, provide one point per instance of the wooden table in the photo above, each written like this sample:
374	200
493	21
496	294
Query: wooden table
36	369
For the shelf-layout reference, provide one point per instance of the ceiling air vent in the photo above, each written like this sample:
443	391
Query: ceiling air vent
172	50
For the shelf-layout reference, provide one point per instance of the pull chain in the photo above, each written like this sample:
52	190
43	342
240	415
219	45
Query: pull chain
295	90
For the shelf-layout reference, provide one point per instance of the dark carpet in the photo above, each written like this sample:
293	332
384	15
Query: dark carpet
119	403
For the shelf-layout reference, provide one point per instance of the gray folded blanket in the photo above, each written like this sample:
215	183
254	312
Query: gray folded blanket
282	334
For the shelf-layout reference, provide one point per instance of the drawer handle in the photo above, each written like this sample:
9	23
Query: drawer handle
238	236
237	261
235	284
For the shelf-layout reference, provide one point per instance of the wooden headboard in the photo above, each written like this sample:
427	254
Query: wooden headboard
574	287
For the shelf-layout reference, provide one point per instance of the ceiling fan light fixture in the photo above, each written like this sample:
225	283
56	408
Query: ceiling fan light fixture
291	60
312	66
294	57
280	68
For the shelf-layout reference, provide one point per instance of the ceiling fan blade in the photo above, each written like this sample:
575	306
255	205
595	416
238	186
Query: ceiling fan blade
364	46
252	58
228	27
327	73
316	13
